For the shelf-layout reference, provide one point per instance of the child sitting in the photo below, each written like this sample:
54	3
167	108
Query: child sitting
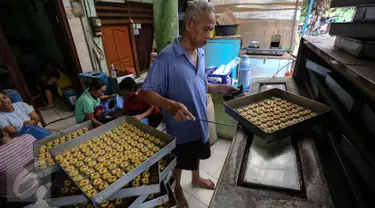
137	108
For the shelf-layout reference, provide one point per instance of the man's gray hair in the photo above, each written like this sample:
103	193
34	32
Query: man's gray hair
196	8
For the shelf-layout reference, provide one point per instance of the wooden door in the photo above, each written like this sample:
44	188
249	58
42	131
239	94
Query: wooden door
117	46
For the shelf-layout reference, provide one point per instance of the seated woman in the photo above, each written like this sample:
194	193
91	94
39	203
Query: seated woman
135	106
15	116
54	81
16	182
88	101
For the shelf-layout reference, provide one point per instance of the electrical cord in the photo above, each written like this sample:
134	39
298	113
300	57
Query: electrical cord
281	69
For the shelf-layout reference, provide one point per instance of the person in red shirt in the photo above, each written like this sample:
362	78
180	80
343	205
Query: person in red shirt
135	106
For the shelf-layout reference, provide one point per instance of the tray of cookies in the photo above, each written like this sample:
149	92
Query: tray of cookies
64	191
275	113
166	165
125	145
43	162
156	199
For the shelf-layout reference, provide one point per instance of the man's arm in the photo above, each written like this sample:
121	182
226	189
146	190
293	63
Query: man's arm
176	109
221	88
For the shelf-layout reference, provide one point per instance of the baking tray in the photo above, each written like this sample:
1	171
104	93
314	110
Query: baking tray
141	190
117	185
318	108
172	181
359	48
364	13
54	199
132	202
172	203
171	164
37	144
160	199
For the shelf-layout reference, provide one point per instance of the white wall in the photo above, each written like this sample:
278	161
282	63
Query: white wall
78	37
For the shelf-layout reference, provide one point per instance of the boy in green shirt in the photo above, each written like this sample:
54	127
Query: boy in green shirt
88	101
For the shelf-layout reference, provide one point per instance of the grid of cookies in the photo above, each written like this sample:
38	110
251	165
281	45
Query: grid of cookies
274	113
99	162
44	156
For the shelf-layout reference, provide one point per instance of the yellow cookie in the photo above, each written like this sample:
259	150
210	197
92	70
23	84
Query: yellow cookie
83	182
91	193
94	176
103	185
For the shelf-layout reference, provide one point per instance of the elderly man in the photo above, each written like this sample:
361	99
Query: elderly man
177	83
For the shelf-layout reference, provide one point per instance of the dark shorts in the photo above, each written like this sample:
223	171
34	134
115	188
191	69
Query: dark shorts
189	154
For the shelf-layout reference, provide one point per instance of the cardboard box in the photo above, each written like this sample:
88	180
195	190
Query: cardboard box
227	18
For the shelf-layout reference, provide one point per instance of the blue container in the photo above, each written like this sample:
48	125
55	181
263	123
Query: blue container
86	77
217	78
244	72
145	121
222	51
70	97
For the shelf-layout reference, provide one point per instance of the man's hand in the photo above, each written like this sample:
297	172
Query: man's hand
222	89
179	111
225	89
29	123
138	117
114	95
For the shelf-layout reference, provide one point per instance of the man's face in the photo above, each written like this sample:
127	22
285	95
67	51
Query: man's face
199	32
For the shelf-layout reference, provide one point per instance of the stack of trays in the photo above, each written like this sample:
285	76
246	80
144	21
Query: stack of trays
122	163
358	36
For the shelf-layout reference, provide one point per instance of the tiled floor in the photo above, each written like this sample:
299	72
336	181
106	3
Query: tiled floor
59	113
210	168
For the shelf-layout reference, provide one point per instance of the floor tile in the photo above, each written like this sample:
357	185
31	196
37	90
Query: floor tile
59	125
217	173
71	121
212	164
221	147
187	195
186	181
64	113
205	195
50	116
195	203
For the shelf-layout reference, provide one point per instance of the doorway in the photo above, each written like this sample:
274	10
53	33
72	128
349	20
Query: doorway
37	36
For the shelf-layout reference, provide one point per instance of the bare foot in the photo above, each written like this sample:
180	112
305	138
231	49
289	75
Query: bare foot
204	183
181	200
